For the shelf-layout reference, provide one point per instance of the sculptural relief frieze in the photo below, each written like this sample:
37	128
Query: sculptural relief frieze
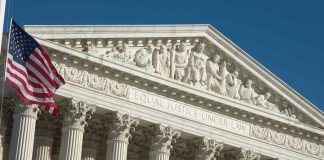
188	64
286	140
91	80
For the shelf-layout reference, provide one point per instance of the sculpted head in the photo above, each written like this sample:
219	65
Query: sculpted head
248	83
223	64
267	95
124	47
114	49
182	47
200	47
216	58
235	73
163	48
285	104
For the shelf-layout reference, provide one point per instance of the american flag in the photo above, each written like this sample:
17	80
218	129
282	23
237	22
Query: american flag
30	71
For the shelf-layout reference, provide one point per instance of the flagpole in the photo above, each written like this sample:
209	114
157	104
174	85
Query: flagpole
2	18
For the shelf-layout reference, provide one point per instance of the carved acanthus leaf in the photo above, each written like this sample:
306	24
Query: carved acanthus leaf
161	138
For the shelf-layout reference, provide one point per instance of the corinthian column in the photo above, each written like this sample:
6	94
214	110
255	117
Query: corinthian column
241	154
205	149
43	138
161	139
119	128
75	114
22	138
91	141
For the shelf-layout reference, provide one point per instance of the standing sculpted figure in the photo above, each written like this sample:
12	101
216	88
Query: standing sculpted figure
262	101
233	85
125	55
179	62
197	65
216	75
247	93
162	61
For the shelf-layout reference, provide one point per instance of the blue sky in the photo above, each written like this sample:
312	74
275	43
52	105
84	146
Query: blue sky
285	36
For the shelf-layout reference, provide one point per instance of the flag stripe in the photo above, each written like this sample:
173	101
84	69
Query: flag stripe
51	66
41	57
30	70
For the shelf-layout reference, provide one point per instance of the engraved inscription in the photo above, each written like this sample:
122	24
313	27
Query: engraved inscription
188	111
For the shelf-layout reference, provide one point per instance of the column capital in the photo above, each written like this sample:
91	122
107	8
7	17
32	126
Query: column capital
205	149
241	154
76	113
161	138
119	126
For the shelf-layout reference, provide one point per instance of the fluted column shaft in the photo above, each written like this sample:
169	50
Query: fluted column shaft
71	143
116	150
159	156
2	140
43	147
89	154
119	127
22	139
75	115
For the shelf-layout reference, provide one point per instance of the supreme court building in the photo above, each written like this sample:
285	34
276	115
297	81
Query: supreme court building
159	92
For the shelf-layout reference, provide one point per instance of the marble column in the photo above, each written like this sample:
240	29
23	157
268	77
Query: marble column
75	115
161	139
241	154
23	132
43	137
91	140
205	149
3	130
119	128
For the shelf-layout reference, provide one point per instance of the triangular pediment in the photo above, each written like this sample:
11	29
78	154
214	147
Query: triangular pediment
109	46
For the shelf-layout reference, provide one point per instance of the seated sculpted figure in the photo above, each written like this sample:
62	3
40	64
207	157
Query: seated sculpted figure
247	93
113	53
179	62
162	61
197	65
125	55
262	101
233	85
216	75
143	57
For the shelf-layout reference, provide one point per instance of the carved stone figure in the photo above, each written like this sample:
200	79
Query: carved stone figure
217	76
162	61
92	49
262	101
143	57
113	53
212	72
197	65
247	93
233	85
287	110
179	62
125	55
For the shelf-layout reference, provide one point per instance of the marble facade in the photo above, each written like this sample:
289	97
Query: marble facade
178	92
